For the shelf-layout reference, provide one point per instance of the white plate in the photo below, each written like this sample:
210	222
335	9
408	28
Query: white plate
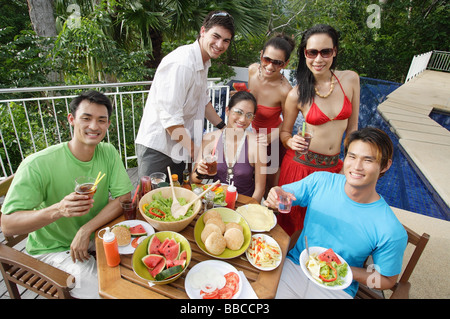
128	249
221	266
260	230
269	240
318	250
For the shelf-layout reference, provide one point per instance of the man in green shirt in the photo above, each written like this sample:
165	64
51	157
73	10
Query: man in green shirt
42	202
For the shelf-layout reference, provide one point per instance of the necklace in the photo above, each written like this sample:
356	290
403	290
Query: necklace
260	76
230	167
329	92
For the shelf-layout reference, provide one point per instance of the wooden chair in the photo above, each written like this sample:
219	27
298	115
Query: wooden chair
30	273
402	287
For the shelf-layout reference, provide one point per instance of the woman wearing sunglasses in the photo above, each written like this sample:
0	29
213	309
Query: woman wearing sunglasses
270	88
329	102
240	159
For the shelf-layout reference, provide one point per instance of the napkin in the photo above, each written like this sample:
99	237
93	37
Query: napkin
247	289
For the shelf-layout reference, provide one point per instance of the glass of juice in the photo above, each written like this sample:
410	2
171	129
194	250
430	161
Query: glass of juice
211	162
128	207
157	178
84	185
308	136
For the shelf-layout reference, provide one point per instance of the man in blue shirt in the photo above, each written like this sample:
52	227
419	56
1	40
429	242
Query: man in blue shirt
346	213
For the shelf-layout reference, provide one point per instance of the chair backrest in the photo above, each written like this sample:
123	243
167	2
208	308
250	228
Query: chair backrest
402	287
11	241
420	241
20	268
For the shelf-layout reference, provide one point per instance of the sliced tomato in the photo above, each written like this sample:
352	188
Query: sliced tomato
232	281
211	295
134	242
226	293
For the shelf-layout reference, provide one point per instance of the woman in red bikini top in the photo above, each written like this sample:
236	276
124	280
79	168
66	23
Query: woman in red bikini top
270	88
328	100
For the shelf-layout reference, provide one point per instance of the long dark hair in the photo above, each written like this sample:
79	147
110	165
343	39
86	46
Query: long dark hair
281	42
305	78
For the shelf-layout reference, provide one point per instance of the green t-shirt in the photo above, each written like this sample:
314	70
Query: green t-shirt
46	177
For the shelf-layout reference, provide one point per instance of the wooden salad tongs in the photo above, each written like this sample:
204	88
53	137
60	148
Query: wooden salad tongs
178	211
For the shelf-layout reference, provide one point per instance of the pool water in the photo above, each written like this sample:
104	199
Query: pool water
401	186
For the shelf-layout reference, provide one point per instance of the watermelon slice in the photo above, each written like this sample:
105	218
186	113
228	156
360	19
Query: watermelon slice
169	272
154	244
158	268
171	252
329	256
182	255
151	261
138	230
166	244
240	87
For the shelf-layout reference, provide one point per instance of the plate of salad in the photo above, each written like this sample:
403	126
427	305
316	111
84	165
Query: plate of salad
325	268
219	191
264	252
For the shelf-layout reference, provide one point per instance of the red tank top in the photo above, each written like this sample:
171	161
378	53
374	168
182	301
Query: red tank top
266	117
316	117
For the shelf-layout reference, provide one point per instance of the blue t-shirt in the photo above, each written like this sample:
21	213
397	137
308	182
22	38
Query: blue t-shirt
351	229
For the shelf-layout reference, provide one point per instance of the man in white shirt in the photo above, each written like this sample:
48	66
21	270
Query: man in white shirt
171	128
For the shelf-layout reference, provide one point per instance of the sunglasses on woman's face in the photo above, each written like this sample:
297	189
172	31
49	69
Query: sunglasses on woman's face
276	63
324	53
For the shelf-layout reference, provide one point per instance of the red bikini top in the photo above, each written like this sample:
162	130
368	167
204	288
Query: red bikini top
316	117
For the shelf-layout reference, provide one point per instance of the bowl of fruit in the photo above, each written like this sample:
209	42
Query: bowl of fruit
162	257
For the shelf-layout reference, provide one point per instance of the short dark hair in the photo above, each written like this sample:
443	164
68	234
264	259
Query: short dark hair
376	137
93	97
219	18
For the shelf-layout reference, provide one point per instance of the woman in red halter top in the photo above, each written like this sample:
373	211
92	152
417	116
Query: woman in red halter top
270	88
329	102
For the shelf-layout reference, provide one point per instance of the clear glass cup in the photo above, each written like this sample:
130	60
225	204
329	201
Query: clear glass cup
308	136
157	178
284	203
211	162
128	208
84	185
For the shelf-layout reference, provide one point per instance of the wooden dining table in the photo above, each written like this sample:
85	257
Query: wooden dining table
121	282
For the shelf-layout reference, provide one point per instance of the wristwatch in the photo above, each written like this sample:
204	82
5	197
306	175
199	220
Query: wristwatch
200	176
221	125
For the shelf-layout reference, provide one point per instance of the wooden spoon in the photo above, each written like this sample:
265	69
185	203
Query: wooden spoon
176	206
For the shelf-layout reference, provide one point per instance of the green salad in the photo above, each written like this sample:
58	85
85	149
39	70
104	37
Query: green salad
328	273
160	208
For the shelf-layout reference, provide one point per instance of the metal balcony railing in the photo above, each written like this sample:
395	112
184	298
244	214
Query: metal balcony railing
32	119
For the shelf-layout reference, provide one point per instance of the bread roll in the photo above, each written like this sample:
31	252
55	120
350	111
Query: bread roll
211	214
234	238
233	225
122	234
217	221
210	228
215	243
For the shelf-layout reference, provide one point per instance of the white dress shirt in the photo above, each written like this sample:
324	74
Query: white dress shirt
178	96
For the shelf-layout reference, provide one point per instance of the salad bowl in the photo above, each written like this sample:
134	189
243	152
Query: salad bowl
169	223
